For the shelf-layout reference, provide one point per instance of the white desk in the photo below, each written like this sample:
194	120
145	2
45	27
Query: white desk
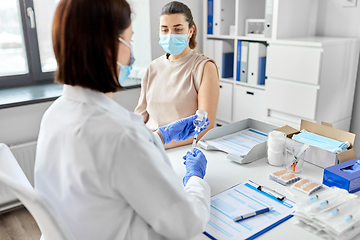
222	174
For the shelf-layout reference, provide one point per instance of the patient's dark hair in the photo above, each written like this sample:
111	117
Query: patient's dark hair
175	7
85	41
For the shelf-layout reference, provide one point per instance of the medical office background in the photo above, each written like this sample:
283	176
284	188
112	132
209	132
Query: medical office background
21	123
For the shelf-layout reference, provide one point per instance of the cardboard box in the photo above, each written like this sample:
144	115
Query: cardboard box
317	156
257	152
334	176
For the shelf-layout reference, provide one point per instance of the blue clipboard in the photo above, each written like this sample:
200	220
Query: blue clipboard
252	195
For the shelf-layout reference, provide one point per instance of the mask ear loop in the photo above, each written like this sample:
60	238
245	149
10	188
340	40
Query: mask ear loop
123	41
189	34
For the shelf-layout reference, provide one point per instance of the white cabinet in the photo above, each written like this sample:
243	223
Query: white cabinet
224	111
294	63
249	103
291	98
311	78
224	22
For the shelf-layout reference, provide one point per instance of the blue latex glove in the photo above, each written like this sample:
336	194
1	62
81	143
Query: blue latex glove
180	130
195	165
352	168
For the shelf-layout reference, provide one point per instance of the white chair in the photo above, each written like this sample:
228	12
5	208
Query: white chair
11	174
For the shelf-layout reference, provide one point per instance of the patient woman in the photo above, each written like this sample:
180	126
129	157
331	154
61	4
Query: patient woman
182	80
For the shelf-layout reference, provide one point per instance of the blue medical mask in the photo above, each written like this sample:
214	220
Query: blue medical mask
325	143
174	43
125	69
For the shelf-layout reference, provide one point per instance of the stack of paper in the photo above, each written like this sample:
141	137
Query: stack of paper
240	143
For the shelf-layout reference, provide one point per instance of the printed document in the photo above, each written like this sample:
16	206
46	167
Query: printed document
239	143
241	199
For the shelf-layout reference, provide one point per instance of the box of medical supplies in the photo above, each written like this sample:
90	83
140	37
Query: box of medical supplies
316	155
345	175
243	141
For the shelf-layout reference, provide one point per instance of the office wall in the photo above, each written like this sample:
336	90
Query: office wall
338	21
22	123
196	7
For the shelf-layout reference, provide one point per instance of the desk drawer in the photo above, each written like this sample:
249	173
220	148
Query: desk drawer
292	98
299	64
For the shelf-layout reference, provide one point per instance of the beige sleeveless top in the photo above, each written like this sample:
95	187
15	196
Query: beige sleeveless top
169	89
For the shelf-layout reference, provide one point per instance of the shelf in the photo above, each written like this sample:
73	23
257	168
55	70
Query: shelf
253	38
261	87
228	80
245	38
313	41
210	36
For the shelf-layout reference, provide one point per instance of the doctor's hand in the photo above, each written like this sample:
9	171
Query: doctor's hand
180	130
195	165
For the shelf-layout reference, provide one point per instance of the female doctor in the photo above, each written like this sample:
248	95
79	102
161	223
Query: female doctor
103	170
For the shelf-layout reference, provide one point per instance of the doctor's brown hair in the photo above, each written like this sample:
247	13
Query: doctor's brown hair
85	41
175	7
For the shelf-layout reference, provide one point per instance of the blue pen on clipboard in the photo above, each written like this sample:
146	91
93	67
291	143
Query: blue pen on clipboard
252	214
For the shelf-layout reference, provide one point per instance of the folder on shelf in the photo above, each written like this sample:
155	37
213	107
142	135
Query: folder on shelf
239	198
228	65
244	61
262	68
216	16
223	16
210	16
268	18
221	47
238	61
256	51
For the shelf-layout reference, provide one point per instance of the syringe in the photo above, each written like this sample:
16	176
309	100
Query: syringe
199	122
195	139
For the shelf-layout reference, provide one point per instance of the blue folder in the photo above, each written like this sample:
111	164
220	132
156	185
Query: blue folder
238	61
227	65
210	16
261	74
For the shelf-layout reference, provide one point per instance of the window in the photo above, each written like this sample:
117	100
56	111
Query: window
12	48
26	54
141	42
44	15
23	59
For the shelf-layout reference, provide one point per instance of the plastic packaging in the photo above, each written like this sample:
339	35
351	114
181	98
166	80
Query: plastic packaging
334	216
284	177
336	198
306	186
322	142
331	213
316	197
346	221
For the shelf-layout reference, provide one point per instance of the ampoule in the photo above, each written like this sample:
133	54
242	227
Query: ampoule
199	122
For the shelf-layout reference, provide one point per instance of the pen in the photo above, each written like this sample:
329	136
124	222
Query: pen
276	195
252	214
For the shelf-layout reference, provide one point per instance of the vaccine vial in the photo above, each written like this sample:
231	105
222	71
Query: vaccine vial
200	121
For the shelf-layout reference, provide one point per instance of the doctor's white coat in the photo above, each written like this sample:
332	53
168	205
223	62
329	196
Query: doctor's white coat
109	176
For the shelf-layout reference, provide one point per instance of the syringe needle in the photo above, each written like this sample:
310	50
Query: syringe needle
194	142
